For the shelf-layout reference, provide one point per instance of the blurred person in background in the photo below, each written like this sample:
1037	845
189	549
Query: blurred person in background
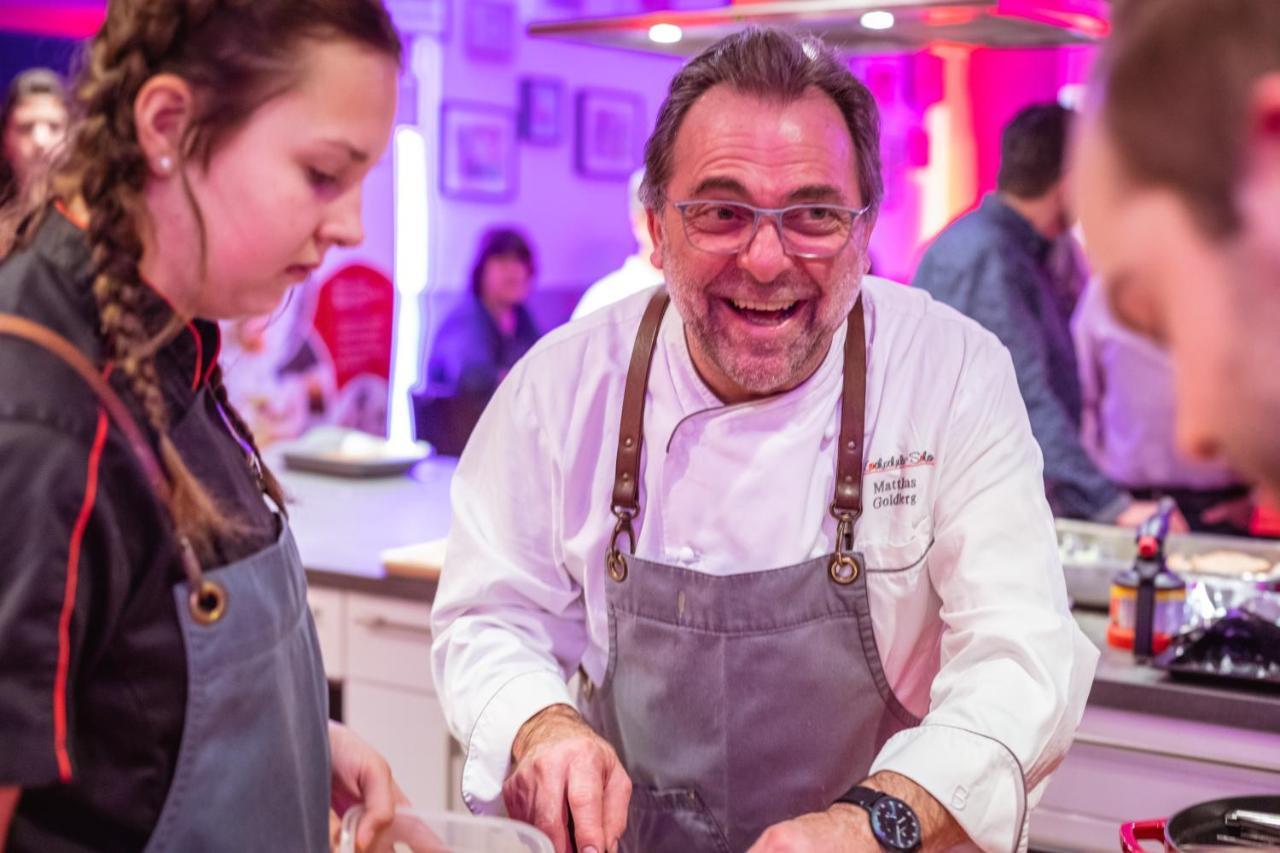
1178	190
1127	424
478	342
637	272
34	122
996	265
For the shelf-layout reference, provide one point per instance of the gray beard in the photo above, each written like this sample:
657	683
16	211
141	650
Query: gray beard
764	373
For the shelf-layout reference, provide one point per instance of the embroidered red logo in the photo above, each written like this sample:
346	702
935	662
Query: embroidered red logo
914	459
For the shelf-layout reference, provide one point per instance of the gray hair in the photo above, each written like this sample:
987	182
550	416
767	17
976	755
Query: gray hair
771	64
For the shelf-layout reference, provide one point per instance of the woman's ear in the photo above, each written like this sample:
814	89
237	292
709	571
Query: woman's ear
162	111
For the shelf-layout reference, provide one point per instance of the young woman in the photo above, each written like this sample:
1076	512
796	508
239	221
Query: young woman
33	124
160	679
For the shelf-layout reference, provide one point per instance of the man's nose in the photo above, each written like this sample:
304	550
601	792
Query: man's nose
765	258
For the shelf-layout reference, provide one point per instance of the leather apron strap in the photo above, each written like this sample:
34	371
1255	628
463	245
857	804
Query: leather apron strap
626	477
846	505
207	599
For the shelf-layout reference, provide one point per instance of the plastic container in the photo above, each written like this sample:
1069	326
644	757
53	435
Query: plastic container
445	832
1171	599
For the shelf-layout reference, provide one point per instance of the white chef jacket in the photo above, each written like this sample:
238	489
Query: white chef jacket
968	601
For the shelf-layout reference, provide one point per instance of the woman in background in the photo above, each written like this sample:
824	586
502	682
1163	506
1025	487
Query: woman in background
34	122
479	341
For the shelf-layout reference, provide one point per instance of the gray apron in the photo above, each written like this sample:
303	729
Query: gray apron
253	763
253	766
738	702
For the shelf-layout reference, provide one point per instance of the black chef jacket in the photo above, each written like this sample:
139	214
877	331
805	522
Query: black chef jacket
92	667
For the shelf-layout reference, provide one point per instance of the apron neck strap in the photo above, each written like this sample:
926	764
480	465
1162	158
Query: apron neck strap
62	349
846	505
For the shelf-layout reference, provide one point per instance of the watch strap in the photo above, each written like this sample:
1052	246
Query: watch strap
860	795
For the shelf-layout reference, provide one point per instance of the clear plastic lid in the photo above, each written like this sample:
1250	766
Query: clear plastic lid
446	832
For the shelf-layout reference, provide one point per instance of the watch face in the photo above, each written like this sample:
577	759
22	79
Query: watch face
895	824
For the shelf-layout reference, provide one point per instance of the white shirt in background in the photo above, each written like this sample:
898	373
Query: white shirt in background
1127	387
635	275
968	602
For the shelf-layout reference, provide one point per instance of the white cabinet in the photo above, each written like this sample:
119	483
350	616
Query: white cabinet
327	610
378	648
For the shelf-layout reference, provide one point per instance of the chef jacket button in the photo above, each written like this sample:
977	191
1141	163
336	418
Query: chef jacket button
686	555
830	432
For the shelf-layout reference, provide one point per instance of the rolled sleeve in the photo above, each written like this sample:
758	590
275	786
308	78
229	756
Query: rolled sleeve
489	748
508	618
1016	669
975	777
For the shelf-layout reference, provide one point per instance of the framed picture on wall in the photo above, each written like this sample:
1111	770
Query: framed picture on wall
490	29
421	17
541	109
610	133
477	152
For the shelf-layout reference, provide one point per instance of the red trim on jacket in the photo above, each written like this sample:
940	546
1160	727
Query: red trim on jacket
69	602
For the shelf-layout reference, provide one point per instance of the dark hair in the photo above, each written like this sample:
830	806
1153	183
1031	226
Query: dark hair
29	84
1176	78
1033	150
770	64
236	55
499	243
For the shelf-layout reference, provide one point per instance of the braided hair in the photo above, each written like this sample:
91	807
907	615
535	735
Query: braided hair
236	55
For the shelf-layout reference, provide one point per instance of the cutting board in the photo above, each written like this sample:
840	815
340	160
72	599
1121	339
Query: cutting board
422	560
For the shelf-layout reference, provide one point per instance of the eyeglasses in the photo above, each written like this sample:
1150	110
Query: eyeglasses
805	230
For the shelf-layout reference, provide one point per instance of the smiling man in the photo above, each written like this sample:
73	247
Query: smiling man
790	528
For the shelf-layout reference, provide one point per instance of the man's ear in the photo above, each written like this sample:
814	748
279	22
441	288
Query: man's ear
1258	190
655	234
162	111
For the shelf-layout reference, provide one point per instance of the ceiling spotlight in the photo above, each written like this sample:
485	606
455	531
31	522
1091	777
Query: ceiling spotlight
665	34
878	20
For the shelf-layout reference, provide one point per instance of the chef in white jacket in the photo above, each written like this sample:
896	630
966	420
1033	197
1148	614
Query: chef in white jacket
791	528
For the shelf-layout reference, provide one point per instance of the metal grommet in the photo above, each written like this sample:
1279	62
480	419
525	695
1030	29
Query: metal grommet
208	602
844	569
617	566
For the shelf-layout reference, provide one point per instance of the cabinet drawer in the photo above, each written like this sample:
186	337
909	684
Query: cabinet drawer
327	611
407	727
389	641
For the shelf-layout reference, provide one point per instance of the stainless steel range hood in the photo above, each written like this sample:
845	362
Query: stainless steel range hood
916	24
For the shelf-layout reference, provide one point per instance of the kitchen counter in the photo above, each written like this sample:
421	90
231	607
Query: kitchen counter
1125	686
343	524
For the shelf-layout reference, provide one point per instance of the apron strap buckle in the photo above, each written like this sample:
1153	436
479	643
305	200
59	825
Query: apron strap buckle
614	559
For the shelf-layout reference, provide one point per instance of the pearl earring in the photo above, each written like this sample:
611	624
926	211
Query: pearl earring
164	164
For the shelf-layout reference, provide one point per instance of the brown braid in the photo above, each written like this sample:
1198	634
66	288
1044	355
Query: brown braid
236	54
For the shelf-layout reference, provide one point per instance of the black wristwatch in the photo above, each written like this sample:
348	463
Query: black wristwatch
893	822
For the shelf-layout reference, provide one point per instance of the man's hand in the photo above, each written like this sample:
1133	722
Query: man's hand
1139	511
847	828
560	766
361	775
1237	513
843	828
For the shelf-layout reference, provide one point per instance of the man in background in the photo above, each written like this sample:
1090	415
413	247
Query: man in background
637	272
995	264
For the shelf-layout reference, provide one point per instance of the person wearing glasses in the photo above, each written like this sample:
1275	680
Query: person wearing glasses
789	529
